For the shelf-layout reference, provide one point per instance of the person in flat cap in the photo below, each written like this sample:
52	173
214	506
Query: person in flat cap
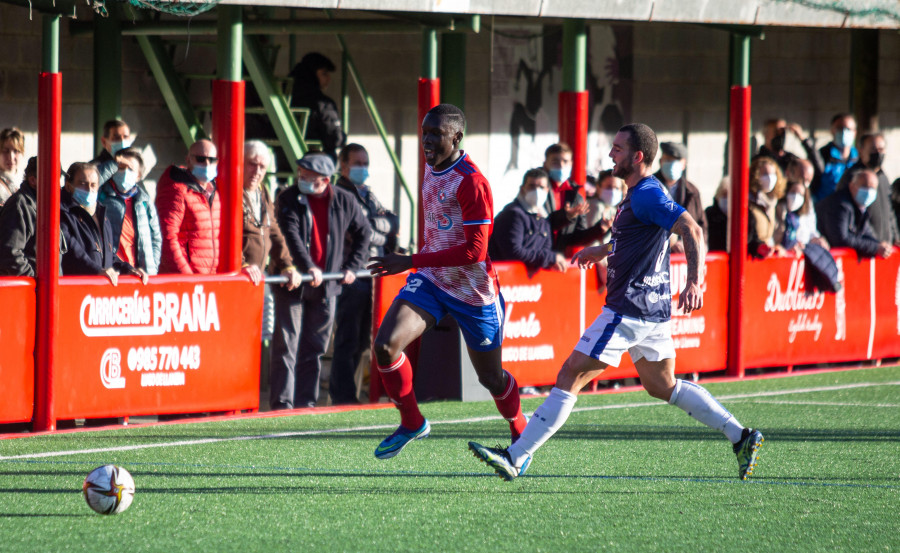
672	168
315	217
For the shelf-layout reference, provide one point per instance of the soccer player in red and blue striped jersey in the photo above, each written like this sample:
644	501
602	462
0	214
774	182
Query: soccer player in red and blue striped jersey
453	276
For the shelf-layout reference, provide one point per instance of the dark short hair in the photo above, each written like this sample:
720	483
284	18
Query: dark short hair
113	124
450	113
558	148
132	153
78	167
30	168
838	116
869	136
344	156
641	138
536	173
316	61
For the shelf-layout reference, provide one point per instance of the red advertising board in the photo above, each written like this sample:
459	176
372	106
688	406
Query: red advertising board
886	303
178	345
543	321
546	313
785	325
17	351
700	337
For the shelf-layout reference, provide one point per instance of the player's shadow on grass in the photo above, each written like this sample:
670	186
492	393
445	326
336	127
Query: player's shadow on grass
45	515
695	433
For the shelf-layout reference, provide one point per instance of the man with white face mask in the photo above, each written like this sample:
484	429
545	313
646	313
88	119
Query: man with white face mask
522	231
190	213
326	232
564	205
131	213
844	216
86	229
672	167
116	137
837	156
352	337
872	149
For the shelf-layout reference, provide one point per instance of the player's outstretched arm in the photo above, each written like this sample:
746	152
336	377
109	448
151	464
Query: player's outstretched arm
587	257
691	234
390	264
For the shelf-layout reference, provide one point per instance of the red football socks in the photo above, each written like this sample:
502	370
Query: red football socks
510	407
398	383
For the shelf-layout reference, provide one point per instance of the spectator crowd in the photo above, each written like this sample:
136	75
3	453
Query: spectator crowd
330	221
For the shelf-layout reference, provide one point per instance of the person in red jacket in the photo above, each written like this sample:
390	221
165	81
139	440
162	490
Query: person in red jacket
190	213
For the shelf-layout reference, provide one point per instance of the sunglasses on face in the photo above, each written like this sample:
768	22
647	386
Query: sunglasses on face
206	159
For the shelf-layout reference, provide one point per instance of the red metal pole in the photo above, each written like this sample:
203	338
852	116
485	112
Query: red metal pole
429	96
375	386
228	133
573	129
738	206
47	248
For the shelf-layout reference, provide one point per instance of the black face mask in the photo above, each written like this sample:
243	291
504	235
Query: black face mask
778	141
876	159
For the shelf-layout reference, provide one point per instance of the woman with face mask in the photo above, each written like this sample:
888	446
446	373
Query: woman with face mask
87	230
131	213
767	185
795	220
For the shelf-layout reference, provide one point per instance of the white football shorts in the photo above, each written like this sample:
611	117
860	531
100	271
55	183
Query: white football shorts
612	334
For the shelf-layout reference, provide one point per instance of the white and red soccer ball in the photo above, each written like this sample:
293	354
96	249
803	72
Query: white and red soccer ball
108	490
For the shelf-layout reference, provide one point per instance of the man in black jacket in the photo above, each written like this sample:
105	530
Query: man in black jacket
883	220
565	205
843	217
314	217
311	77
87	231
352	336
522	230
116	137
17	226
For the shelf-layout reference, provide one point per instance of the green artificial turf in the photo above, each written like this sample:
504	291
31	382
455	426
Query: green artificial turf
626	473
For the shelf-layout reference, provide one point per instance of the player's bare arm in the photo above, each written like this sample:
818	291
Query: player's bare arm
587	257
691	234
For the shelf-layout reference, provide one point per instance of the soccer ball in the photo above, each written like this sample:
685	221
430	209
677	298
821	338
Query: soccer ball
108	490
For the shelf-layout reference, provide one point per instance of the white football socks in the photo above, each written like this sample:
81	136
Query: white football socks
697	402
546	420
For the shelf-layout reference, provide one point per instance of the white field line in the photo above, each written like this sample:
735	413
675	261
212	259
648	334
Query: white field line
390	427
822	403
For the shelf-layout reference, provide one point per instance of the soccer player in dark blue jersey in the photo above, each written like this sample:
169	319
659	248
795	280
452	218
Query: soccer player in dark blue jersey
637	314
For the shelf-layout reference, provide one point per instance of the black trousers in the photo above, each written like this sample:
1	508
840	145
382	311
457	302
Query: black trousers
352	338
303	325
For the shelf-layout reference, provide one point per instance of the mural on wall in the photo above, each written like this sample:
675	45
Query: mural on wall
525	83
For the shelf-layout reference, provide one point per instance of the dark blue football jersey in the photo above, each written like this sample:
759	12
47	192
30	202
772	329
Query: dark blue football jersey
638	267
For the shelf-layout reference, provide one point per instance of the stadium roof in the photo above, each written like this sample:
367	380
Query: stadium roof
794	13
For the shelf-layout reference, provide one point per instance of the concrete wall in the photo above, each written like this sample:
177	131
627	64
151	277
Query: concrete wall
142	104
680	89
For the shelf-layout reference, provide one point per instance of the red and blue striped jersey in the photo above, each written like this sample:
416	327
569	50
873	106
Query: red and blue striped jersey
453	198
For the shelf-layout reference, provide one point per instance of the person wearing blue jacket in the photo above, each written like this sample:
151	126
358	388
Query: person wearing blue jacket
522	231
131	213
